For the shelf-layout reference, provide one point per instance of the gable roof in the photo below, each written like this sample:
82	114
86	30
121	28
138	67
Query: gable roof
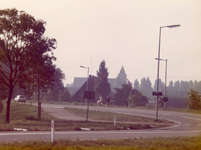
80	92
79	81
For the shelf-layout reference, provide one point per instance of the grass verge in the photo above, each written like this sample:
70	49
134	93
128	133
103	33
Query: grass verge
174	143
109	116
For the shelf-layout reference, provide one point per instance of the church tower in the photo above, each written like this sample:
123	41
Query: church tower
121	78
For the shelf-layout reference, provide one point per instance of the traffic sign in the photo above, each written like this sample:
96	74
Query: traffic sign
165	99
89	95
155	94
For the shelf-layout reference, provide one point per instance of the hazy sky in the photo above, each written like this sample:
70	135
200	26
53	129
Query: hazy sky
122	32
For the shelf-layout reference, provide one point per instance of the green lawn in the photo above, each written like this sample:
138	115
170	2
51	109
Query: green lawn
109	116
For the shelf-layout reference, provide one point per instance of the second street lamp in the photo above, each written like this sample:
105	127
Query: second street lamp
86	101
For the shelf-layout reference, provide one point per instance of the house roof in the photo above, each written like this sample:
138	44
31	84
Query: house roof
79	81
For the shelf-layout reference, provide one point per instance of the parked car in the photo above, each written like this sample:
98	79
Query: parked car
20	98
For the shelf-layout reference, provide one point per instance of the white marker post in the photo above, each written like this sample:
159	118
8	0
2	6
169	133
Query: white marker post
52	131
114	121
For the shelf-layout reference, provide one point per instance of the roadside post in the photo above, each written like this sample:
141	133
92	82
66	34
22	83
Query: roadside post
52	131
115	121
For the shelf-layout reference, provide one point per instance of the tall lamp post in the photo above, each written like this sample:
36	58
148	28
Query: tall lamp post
170	26
86	101
165	80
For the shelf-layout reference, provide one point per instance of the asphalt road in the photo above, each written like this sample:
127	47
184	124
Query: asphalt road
187	125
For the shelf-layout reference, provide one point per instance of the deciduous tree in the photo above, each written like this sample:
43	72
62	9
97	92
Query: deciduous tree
194	100
127	94
24	50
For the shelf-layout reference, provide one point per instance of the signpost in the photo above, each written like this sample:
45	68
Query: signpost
88	95
157	94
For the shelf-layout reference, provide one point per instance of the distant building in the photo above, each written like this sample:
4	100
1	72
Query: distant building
117	82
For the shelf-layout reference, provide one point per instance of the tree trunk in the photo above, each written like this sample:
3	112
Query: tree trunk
8	104
39	103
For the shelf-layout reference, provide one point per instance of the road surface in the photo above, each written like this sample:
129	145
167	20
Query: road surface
187	125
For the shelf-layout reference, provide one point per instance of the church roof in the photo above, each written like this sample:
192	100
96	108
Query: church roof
122	71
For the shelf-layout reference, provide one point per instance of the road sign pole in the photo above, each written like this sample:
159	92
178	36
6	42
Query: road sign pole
87	110
114	121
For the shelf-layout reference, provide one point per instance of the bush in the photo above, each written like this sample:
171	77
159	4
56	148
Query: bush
194	100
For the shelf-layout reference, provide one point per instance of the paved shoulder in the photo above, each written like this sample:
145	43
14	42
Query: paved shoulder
61	113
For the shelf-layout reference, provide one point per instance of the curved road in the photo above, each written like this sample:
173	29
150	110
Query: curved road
187	125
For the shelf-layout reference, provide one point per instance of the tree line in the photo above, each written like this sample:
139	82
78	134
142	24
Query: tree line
177	91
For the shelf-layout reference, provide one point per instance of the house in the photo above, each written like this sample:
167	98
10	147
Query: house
80	83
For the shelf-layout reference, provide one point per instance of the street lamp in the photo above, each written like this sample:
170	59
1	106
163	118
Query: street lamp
87	90
169	26
165	79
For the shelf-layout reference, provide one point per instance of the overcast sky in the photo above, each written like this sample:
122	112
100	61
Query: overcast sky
123	33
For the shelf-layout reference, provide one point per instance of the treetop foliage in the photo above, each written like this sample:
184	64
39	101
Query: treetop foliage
22	44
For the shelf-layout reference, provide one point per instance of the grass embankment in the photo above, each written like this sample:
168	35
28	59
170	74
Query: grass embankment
175	143
25	117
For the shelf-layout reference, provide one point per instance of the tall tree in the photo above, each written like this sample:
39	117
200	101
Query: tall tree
136	84
102	86
143	85
191	84
171	84
55	94
149	88
177	85
23	50
161	86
